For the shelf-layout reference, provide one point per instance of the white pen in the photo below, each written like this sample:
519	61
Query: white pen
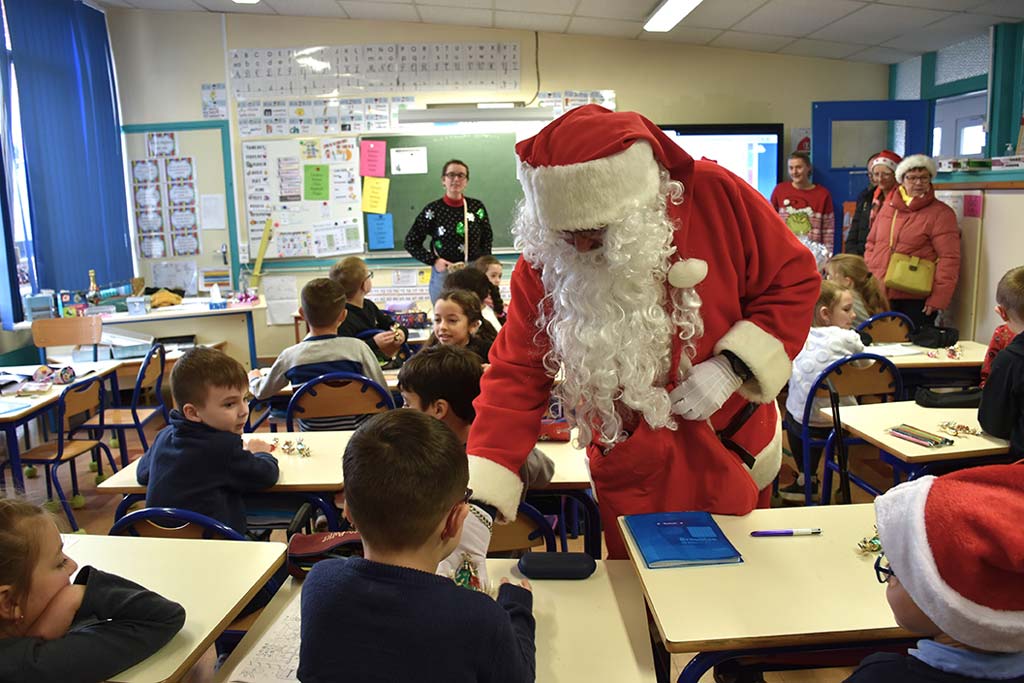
787	532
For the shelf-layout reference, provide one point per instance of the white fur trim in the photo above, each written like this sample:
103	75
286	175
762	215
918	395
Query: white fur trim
688	272
593	193
495	485
915	161
763	354
769	460
901	528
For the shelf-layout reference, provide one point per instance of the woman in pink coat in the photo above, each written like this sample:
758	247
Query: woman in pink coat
913	222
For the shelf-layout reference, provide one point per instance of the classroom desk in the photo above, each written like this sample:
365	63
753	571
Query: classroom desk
572	480
788	591
918	369
128	372
871	421
318	475
189	308
31	406
182	570
576	620
417	335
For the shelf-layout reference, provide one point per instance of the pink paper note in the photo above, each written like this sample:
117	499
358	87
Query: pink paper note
372	155
972	206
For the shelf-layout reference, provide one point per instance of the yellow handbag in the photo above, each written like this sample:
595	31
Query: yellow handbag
906	273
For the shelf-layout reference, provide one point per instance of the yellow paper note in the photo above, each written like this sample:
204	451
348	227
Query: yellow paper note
423	277
375	194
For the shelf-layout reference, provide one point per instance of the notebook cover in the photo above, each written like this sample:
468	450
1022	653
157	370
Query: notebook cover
680	539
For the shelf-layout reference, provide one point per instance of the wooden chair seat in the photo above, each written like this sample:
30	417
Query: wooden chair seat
48	451
121	416
244	623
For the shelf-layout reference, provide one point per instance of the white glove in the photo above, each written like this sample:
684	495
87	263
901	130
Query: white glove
706	388
476	537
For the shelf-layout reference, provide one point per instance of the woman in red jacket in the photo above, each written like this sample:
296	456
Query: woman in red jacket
913	222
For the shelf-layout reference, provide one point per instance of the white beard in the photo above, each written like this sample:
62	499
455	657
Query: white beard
605	314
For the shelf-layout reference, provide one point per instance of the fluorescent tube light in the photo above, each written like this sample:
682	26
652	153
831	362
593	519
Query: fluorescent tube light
473	114
668	14
245	2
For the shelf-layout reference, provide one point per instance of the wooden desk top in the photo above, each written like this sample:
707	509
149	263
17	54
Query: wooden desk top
180	570
319	472
190	307
31	404
973	355
575	619
869	422
760	602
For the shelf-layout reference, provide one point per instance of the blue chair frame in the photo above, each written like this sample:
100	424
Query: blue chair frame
823	383
885	316
312	388
211	528
543	526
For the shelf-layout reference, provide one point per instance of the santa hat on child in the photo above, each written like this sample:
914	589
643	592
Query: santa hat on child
590	166
886	158
915	161
956	544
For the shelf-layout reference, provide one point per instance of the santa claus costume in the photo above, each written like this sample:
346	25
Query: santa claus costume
721	274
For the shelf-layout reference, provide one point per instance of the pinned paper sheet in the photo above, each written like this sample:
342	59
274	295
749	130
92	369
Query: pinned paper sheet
372	157
381	231
408	160
972	205
375	194
316	182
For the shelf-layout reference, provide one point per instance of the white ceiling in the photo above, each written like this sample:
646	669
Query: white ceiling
882	31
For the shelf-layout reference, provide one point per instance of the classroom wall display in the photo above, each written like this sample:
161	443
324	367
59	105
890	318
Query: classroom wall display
562	101
279	116
309	188
390	67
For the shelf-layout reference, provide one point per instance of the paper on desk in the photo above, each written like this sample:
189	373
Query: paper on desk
282	298
892	350
275	657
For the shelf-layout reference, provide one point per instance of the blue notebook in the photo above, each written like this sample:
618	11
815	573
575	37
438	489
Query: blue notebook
680	539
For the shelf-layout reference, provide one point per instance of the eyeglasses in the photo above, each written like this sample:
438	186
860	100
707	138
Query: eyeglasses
369	274
917	178
467	496
455	176
882	571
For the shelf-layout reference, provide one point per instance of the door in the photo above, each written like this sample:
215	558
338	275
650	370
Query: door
845	134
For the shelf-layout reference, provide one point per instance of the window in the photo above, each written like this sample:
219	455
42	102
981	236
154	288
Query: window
959	125
936	141
970	135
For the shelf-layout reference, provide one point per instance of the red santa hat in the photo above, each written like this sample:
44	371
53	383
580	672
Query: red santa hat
956	544
915	161
591	166
886	158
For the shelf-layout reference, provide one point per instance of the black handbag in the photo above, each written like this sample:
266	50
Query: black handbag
961	398
935	337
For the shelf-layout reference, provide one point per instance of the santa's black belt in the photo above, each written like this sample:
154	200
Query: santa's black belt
737	422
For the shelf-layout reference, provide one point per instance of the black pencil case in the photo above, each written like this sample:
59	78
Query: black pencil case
557	565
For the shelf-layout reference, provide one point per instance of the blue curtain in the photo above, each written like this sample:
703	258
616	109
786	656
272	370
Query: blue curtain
72	142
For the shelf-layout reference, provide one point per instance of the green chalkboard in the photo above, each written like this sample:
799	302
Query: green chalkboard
492	178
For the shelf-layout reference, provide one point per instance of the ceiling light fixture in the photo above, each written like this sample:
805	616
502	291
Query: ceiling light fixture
668	14
245	2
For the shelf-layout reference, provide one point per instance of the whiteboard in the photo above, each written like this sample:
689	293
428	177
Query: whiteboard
310	189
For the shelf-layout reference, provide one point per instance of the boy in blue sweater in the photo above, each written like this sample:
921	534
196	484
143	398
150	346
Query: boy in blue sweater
387	616
953	571
198	462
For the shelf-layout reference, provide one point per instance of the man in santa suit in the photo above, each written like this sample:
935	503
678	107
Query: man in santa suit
671	296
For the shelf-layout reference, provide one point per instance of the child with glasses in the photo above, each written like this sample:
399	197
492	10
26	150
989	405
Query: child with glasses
356	281
387	616
954	573
444	222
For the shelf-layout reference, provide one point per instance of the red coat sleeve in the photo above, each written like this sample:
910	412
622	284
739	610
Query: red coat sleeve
945	236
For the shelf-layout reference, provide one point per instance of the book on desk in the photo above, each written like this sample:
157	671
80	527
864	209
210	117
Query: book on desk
681	539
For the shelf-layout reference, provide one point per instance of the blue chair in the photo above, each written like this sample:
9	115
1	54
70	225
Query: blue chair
530	529
84	397
137	415
404	351
172	523
889	327
337	394
844	378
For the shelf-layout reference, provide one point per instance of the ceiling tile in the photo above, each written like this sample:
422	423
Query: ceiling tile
876	24
228	7
379	11
473	4
456	15
542	6
806	47
1002	8
306	8
944	33
721	14
684	34
113	3
550	23
174	5
796	17
880	55
948	5
605	27
636	10
759	42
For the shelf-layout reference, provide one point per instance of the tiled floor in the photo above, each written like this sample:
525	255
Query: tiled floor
97	515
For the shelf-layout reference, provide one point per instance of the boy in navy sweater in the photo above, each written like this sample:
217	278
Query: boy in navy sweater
1001	412
198	462
388	616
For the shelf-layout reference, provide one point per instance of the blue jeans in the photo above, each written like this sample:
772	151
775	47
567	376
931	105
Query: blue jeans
436	284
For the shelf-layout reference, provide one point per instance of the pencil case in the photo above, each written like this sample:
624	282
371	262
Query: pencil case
557	565
305	550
